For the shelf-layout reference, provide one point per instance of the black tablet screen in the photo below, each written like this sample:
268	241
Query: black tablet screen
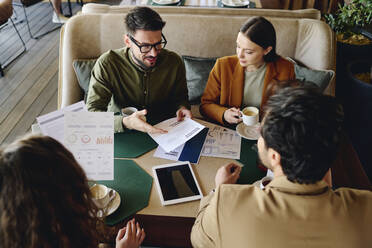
176	182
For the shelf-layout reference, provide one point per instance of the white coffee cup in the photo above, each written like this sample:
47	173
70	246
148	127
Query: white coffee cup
265	181
102	195
128	111
250	116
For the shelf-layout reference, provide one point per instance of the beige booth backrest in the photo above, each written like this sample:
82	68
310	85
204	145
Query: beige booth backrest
89	35
94	8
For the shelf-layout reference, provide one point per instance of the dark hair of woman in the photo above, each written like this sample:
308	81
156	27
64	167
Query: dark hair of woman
44	197
260	31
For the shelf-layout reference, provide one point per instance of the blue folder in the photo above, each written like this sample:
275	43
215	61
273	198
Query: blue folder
193	147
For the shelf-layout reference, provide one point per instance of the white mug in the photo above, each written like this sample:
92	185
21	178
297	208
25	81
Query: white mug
250	116
128	111
102	195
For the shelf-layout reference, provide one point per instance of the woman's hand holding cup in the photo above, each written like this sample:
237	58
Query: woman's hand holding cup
232	116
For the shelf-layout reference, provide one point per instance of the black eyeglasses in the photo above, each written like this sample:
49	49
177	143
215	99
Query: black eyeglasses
147	47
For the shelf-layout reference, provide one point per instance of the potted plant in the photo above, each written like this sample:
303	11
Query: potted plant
348	19
348	22
353	63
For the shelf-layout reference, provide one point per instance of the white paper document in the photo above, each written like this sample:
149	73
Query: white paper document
90	137
172	155
178	132
52	124
222	142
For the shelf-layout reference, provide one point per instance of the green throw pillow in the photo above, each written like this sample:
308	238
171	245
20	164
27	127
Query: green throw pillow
197	73
319	77
83	68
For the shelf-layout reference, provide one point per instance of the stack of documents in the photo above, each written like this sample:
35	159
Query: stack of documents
188	140
183	142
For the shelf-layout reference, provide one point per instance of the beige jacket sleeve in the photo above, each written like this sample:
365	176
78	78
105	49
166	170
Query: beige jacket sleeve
205	232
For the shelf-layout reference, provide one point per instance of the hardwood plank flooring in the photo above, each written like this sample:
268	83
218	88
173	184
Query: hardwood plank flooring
29	87
39	106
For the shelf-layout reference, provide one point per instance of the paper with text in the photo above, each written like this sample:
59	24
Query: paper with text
222	142
52	124
178	132
90	137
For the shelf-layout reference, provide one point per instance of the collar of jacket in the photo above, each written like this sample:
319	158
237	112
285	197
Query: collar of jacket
284	185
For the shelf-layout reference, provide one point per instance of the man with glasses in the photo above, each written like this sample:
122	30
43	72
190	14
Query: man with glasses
143	75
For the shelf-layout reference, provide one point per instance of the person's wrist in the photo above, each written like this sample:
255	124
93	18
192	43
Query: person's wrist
125	122
223	118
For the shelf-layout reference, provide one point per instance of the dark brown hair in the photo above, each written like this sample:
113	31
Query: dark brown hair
44	197
305	128
143	18
262	32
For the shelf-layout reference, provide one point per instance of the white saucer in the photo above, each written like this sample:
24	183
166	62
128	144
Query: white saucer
248	132
235	3
166	2
114	204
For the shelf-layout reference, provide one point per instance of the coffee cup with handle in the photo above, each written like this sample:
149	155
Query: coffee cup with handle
127	111
250	116
102	195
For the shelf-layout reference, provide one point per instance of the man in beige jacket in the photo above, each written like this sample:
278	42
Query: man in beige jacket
299	139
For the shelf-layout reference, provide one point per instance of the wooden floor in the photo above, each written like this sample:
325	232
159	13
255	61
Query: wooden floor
29	87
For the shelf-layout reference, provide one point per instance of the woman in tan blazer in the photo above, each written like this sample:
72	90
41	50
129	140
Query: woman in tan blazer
243	79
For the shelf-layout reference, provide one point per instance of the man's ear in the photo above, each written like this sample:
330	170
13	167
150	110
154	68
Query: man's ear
126	40
274	160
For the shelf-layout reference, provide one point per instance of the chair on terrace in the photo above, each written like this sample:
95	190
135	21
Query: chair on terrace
6	11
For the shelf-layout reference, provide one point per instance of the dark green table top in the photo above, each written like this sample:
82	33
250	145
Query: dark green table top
251	172
133	185
132	144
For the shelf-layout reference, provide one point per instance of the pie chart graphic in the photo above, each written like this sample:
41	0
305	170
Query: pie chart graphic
85	139
72	138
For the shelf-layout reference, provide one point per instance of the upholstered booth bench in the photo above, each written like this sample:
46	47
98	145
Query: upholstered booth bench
196	32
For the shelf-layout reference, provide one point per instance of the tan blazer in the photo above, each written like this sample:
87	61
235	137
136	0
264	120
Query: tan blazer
225	85
286	215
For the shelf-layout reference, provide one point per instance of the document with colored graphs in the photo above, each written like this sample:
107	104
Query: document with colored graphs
90	137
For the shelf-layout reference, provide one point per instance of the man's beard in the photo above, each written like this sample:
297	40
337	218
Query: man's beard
140	62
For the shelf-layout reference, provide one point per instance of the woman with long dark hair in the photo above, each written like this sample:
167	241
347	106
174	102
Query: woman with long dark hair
242	80
45	199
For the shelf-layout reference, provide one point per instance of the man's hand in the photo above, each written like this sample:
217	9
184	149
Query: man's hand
182	113
130	236
227	174
232	116
136	121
